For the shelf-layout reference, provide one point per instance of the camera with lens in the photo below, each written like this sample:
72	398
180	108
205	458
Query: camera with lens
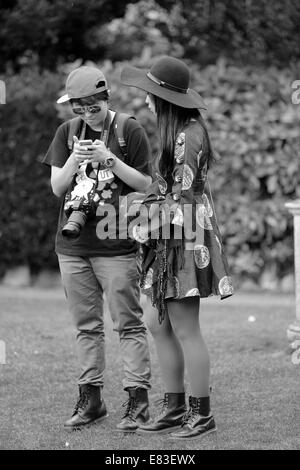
78	210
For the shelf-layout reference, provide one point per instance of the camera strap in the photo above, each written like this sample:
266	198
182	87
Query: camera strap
106	127
118	120
83	129
104	135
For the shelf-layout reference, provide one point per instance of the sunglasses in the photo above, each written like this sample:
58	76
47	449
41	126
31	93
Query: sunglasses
83	109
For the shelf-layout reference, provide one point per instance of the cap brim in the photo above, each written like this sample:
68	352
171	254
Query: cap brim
63	99
132	76
66	97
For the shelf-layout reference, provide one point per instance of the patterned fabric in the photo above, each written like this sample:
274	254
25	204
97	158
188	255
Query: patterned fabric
204	269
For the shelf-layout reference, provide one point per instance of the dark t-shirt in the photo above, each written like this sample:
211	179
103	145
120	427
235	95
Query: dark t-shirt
102	234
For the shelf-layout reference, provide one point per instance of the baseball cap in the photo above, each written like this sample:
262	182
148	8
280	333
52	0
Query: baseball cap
82	82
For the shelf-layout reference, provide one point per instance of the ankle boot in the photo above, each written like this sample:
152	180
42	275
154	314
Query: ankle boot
137	411
89	407
198	421
170	418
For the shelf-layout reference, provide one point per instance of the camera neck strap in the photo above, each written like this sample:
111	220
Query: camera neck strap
106	127
103	135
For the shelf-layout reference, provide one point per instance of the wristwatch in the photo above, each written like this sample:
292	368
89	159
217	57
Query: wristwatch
110	161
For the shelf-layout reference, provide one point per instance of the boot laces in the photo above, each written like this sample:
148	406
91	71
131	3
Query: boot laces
131	405
163	402
191	415
81	402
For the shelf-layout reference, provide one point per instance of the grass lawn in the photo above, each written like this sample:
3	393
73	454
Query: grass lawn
255	395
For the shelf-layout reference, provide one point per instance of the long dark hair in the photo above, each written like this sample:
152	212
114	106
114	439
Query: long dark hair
171	119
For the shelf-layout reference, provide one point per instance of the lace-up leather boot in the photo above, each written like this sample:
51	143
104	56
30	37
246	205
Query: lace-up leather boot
137	409
170	418
89	407
198	420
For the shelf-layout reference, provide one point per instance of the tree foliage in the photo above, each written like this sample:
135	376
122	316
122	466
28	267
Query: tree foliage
61	31
54	31
248	31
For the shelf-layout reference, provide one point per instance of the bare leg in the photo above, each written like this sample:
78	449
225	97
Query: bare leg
184	318
168	350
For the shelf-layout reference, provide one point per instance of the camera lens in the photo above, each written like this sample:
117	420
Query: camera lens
74	225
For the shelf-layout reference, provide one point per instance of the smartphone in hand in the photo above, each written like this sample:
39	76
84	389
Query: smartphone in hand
85	143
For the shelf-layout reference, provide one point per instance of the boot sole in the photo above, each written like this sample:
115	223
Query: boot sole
199	436
127	431
87	425
159	431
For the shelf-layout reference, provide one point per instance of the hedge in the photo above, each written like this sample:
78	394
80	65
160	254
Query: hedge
254	129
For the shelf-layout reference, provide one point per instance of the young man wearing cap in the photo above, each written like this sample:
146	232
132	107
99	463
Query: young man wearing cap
92	178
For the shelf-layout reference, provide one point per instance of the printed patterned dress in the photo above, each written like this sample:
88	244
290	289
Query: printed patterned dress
190	262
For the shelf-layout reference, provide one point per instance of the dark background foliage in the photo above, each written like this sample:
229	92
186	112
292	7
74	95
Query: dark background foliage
243	57
63	30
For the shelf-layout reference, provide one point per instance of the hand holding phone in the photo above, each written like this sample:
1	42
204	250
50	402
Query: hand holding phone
85	143
81	150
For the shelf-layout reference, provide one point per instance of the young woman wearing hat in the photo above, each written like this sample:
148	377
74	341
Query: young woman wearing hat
179	270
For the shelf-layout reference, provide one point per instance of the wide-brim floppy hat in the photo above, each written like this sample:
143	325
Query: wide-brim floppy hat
168	78
83	82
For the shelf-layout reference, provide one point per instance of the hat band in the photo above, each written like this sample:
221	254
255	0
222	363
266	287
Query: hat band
166	85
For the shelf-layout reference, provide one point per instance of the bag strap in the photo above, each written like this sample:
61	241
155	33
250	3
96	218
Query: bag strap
74	127
119	123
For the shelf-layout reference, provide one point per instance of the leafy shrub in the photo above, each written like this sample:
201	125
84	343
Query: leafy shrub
28	208
254	128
